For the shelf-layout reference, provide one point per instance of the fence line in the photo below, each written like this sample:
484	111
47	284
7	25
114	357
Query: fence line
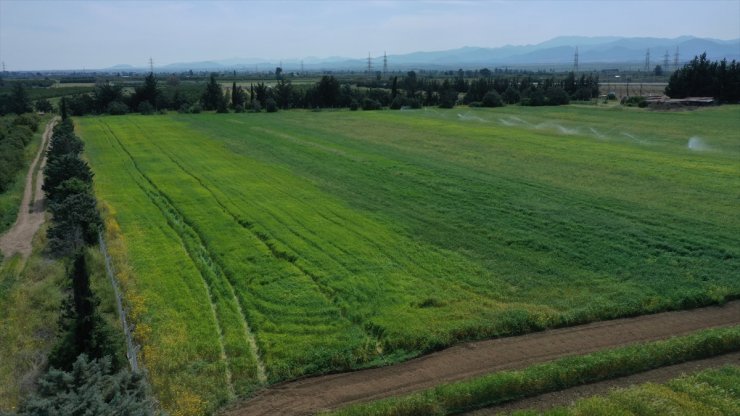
131	348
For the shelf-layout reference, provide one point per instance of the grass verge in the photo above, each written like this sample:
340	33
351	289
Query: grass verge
710	392
556	375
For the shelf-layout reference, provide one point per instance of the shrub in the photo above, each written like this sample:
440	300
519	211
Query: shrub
271	106
556	96
146	108
117	108
492	99
353	106
370	104
511	95
196	108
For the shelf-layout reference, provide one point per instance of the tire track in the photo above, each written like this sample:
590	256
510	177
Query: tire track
176	224
277	253
473	359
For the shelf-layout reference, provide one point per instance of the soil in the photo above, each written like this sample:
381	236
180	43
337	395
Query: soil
307	396
568	396
31	212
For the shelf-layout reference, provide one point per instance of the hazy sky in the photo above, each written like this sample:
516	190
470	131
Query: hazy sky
98	34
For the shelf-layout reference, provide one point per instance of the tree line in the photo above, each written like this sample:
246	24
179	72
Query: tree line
85	372
411	91
702	77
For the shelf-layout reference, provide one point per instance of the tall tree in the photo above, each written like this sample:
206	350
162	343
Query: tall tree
213	96
149	92
20	102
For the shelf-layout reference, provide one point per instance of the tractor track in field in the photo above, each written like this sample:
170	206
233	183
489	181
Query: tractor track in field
32	210
310	395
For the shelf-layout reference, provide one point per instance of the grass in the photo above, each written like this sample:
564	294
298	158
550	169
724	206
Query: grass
710	392
30	303
299	242
505	386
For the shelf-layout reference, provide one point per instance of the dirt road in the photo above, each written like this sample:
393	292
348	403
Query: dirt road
477	358
31	212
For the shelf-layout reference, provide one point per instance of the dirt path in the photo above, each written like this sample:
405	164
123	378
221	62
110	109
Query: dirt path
567	396
31	212
477	358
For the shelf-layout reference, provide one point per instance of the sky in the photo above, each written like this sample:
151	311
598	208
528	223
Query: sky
58	34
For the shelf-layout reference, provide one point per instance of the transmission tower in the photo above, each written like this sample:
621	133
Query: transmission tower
3	67
301	66
369	63
385	63
665	60
151	65
647	60
675	60
575	61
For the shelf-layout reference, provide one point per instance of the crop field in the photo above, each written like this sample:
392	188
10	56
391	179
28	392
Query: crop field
256	248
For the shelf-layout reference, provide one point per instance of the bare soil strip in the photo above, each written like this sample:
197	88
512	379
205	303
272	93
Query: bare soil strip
31	212
565	397
472	359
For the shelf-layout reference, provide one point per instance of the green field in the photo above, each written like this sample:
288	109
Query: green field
255	248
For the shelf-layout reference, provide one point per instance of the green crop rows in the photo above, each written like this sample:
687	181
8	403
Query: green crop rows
255	248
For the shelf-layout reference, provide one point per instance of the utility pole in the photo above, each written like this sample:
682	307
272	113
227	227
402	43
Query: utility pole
369	63
575	61
665	61
385	63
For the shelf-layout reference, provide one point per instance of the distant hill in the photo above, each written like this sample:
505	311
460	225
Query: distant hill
604	50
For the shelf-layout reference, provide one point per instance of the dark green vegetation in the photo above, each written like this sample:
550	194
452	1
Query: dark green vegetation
67	186
506	386
710	392
19	140
704	78
259	248
16	132
90	387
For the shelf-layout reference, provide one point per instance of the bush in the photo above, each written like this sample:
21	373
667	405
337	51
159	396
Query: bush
370	104
397	103
117	108
271	106
239	108
492	99
146	108
556	96
447	98
256	106
353	106
511	95
29	120
44	106
196	108
636	101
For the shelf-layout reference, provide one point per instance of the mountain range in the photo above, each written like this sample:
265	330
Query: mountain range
593	52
